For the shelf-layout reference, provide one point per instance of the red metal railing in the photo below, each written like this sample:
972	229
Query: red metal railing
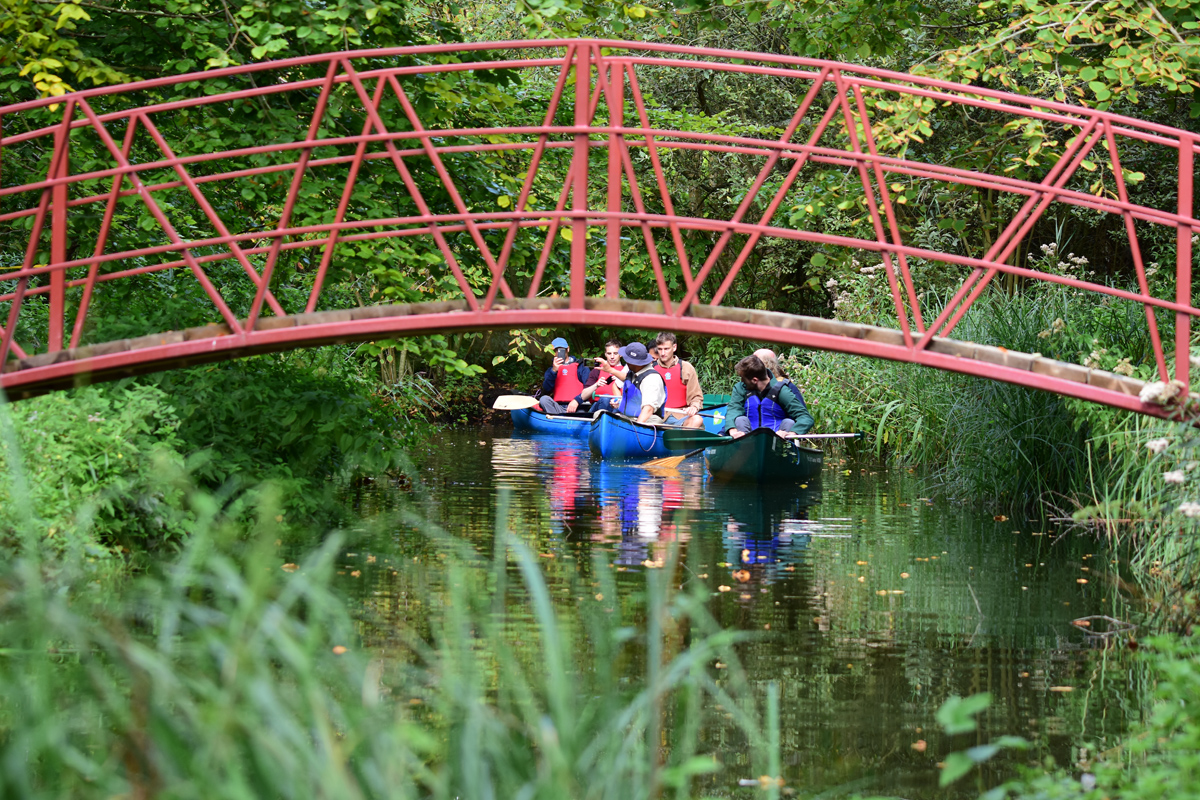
52	291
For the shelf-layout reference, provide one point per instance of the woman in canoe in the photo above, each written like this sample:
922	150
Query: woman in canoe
761	400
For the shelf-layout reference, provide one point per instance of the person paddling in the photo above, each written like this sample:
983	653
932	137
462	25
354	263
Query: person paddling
762	401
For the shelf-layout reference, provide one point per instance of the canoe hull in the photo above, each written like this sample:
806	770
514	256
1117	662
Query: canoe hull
615	438
579	425
538	421
762	457
618	438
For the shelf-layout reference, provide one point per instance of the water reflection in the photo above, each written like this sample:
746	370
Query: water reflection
868	604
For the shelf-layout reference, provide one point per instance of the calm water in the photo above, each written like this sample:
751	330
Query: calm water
871	604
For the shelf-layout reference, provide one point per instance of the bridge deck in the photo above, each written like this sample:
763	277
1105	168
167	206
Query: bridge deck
47	372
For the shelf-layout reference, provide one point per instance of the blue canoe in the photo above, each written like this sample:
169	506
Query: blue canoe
579	424
615	437
538	421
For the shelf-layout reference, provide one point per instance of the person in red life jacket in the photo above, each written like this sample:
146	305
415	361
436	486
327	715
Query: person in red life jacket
605	381
563	382
772	364
761	401
644	396
685	398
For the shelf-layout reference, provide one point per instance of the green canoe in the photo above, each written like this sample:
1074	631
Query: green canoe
762	457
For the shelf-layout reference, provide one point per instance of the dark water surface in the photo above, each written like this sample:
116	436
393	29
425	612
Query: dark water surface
871	604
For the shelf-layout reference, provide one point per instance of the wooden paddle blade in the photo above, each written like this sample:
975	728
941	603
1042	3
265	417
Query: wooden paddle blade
512	402
670	462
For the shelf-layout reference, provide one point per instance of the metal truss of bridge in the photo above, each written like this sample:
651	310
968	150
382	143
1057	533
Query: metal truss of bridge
589	203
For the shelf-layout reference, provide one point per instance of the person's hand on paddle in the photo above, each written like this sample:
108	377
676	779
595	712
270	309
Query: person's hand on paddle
736	434
690	411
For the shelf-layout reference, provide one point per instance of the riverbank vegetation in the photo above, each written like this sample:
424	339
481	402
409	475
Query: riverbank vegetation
225	669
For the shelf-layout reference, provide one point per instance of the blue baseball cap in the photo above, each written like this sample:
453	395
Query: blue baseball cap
635	353
560	342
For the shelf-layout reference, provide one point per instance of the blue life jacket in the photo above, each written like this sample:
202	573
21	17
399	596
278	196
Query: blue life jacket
631	401
765	411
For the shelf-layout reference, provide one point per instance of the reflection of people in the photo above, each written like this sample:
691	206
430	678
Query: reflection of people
644	395
563	382
685	398
606	379
761	401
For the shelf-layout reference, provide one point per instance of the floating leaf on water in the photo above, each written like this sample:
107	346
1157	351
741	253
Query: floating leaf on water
723	588
338	650
1000	518
862	578
288	568
861	563
356	573
882	592
1081	580
903	574
1062	688
919	745
599	596
741	575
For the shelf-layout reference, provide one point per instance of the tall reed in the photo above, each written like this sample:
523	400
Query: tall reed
219	674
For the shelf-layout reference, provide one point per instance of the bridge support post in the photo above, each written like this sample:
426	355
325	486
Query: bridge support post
579	171
58	232
616	148
1183	260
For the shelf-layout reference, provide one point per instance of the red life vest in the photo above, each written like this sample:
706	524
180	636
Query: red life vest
609	389
607	386
673	379
566	382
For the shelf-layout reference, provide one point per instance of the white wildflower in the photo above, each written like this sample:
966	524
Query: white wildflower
1156	446
1159	393
1174	476
831	284
1123	367
1189	508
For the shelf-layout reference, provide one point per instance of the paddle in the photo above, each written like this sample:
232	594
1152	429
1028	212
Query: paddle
716	440
512	402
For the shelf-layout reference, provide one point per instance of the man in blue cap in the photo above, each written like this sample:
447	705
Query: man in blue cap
564	381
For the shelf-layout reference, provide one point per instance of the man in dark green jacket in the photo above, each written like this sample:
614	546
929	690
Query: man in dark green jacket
761	400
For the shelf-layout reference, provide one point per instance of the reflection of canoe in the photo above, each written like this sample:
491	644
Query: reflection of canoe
613	436
538	421
762	457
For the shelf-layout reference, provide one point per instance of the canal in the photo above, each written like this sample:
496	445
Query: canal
868	603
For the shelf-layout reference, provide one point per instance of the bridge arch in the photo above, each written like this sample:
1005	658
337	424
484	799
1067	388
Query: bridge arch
584	232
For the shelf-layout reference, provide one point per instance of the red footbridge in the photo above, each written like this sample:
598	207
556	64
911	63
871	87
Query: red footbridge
373	200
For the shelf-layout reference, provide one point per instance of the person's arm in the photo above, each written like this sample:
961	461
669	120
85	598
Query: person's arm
691	382
549	380
795	409
737	406
587	394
